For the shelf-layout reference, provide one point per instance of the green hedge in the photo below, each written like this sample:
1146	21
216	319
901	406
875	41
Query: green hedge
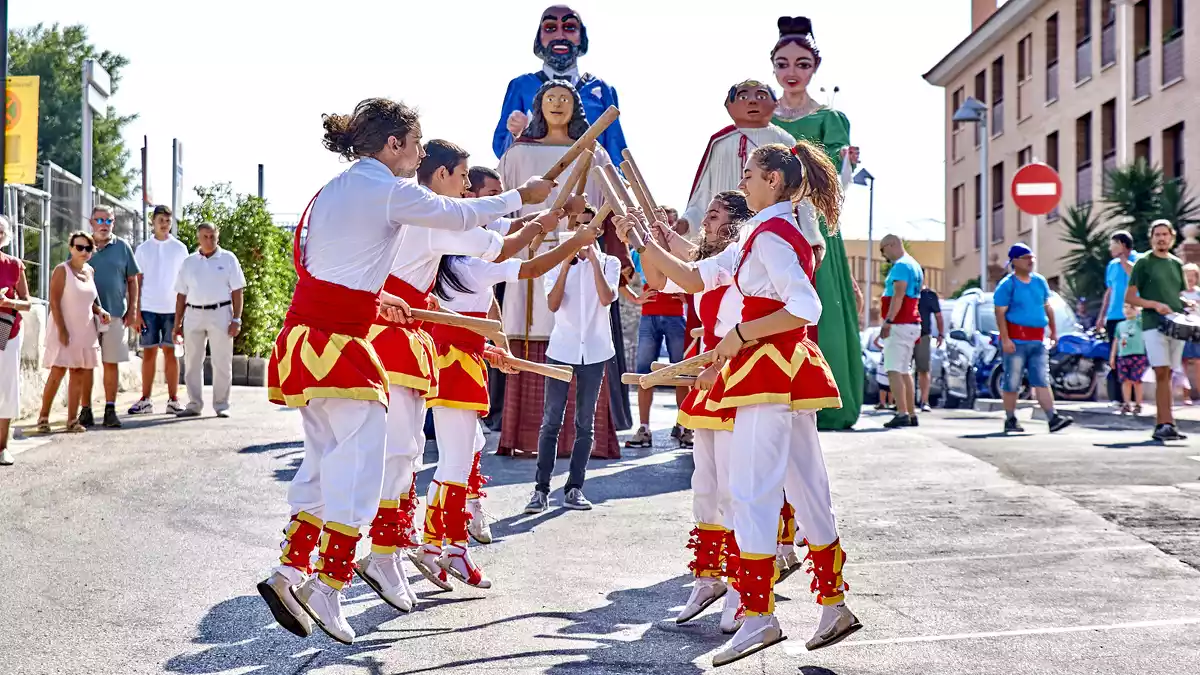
262	248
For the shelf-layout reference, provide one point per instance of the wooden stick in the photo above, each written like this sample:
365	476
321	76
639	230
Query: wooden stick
656	365
578	173
680	381
614	203
637	175
698	332
614	179
639	191
694	344
542	369
488	328
585	142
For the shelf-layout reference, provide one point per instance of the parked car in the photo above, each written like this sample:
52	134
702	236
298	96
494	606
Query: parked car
872	356
973	363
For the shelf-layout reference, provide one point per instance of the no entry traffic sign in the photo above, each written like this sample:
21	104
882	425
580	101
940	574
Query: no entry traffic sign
1036	189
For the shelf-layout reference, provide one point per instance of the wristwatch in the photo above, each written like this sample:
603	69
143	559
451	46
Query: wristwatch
237	320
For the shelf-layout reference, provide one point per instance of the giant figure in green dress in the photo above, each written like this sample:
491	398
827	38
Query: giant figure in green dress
796	59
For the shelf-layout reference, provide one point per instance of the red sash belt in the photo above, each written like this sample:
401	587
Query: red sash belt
405	291
1018	332
756	308
710	305
908	310
332	308
453	336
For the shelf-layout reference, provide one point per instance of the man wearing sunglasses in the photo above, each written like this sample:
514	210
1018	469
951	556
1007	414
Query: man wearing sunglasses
117	283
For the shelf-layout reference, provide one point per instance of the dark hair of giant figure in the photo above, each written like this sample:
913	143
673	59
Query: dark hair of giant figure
798	31
538	128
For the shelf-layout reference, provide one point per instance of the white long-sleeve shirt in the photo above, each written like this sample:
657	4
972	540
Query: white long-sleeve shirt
770	270
729	312
480	276
582	331
353	227
421	251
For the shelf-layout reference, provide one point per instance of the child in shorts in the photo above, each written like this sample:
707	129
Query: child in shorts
1129	360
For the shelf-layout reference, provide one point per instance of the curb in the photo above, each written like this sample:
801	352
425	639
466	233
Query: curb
1144	421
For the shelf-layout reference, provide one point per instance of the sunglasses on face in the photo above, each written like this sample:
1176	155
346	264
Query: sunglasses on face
104	221
83	248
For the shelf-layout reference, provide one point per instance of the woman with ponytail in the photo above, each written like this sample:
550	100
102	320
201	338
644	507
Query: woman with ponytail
796	58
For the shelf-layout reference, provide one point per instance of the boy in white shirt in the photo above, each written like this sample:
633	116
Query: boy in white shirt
159	259
579	293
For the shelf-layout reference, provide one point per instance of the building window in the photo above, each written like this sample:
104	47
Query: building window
956	101
1052	58
1141	27
982	97
998	96
1172	57
1025	156
1108	139
978	209
1108	33
1141	151
1173	152
956	216
1083	40
1083	159
1052	150
1024	76
1172	12
998	202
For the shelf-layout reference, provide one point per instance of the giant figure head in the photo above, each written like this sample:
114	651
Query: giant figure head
556	105
795	56
561	38
751	104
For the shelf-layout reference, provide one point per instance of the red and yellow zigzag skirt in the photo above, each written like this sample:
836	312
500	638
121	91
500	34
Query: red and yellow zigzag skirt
308	363
461	380
790	370
408	355
693	413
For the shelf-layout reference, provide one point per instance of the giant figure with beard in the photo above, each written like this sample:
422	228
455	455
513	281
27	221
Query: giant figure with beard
561	39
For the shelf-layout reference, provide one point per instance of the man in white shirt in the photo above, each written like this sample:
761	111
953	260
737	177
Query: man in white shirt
578	293
208	312
159	258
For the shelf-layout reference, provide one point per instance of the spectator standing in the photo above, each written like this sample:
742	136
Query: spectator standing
1116	280
579	292
159	258
116	276
901	327
14	299
929	307
662	321
1191	350
1156	286
72	328
1023	314
208	313
1128	360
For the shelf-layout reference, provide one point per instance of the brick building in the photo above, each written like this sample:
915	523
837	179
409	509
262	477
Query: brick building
1049	73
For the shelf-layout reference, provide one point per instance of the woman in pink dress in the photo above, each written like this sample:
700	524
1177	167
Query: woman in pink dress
72	330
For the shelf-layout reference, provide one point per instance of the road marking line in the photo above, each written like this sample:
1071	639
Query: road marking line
994	556
1195	457
1036	189
1013	633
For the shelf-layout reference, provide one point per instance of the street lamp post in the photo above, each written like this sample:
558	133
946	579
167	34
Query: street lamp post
974	111
864	177
97	85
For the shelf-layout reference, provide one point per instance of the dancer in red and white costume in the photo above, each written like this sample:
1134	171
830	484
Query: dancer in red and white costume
464	285
776	385
409	357
323	362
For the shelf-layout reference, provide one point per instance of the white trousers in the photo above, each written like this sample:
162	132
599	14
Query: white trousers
458	439
405	440
711	501
342	473
778	450
10	379
209	326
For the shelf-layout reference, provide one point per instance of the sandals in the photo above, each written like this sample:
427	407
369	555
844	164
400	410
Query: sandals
74	427
43	426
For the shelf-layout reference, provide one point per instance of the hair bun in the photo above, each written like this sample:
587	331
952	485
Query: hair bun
794	25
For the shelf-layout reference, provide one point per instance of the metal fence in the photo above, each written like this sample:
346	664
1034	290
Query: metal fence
45	217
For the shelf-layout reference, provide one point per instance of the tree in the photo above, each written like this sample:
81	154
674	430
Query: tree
1139	194
1086	262
264	251
56	55
973	282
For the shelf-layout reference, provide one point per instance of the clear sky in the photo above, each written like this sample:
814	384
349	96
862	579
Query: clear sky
243	83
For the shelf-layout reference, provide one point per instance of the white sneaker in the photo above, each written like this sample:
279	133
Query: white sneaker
456	560
837	623
174	407
730	622
276	590
756	634
425	559
380	571
143	407
705	592
478	526
324	604
787	562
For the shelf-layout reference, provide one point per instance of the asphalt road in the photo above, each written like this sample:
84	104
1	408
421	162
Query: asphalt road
137	551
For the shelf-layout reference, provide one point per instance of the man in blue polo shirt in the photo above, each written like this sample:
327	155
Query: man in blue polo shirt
1023	313
901	328
1116	280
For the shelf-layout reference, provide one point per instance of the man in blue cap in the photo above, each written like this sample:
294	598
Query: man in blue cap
1023	313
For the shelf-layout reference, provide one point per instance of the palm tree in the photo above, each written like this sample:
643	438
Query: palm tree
1087	260
1133	199
1177	206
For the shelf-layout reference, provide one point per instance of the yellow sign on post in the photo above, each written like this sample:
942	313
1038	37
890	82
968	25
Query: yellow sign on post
21	129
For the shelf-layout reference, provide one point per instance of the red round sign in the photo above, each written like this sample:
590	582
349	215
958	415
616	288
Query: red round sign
1036	189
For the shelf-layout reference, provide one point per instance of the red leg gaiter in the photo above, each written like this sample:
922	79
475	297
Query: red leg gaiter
385	529
826	568
708	545
408	514
756	583
435	530
454	512
336	564
787	524
301	538
733	558
476	480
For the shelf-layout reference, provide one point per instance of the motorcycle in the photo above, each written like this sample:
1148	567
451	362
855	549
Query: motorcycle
1078	363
